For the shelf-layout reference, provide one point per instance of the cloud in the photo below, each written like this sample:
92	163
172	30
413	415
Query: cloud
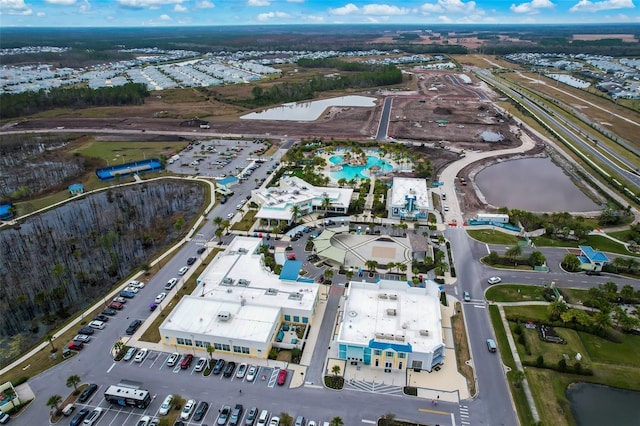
532	6
179	8
455	6
597	6
312	18
14	7
85	7
344	10
165	17
61	2
445	19
41	14
258	3
383	9
267	16
295	1
143	4
205	4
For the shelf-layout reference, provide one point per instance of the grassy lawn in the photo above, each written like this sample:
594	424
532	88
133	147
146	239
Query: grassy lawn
553	352
534	312
493	237
602	350
544	241
514	293
548	389
128	151
573	295
246	222
601	243
462	348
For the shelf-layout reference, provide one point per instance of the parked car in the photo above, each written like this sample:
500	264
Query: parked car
494	280
144	421
291	256
160	297
120	300
223	200
4	418
86	394
101	317
201	250
201	410
173	359
130	353
217	369
230	216
170	284
116	305
251	373
186	361
223	417
491	345
202	362
188	409
75	346
86	330
191	260
133	327
282	377
136	284
242	370
127	294
140	356
84	338
166	406
109	312
252	414
183	270
300	421
78	418
275	421
228	370
131	289
236	415
97	324
93	416
466	296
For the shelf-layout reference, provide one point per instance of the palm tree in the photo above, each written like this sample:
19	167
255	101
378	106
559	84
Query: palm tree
336	421
401	266
513	252
556	309
49	337
210	351
391	265
218	233
602	320
328	274
217	221
117	347
326	203
72	382
371	264
54	402
225	224
295	212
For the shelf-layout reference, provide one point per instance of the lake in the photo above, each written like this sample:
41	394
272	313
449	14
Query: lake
532	184
309	111
597	405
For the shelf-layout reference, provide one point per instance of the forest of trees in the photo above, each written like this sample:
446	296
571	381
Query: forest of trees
26	103
60	261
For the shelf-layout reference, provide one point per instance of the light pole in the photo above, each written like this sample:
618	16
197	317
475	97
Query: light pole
193	348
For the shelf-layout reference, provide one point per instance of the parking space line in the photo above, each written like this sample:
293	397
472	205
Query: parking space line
154	360
111	368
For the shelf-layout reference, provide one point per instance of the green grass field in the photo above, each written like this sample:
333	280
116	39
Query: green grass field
515	293
490	236
122	152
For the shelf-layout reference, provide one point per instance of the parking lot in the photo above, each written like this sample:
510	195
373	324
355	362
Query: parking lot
217	158
239	388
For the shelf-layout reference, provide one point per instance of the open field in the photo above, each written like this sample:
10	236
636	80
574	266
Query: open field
514	293
490	236
117	152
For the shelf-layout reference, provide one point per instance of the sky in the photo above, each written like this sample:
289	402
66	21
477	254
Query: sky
146	13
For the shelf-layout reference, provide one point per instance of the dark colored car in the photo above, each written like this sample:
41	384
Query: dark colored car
101	317
217	369
223	200
201	410
84	396
135	324
186	361
229	369
86	330
191	260
78	418
109	311
201	250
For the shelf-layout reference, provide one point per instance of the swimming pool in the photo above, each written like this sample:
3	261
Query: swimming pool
358	172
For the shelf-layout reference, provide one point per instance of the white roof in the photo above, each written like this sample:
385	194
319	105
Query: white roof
241	262
412	187
392	312
199	316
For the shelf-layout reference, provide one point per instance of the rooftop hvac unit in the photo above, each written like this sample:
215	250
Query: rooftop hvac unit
272	291
227	281
243	301
391	312
382	295
380	335
242	250
295	296
393	296
400	338
242	282
424	332
224	316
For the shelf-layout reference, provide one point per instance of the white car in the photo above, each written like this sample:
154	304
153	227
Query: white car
494	280
230	216
144	421
82	338
166	405
242	370
173	359
188	408
140	356
93	416
183	270
160	297
134	290
202	362
275	421
251	373
136	284
120	300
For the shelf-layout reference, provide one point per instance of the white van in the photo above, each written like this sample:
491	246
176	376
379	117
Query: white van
263	418
93	416
96	324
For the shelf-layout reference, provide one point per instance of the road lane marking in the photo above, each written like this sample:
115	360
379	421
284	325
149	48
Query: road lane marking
111	368
371	422
480	306
426	410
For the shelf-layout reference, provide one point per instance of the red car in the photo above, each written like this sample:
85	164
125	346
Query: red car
186	361
291	256
116	305
282	377
75	345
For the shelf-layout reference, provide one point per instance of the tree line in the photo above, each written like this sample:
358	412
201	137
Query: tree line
27	103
